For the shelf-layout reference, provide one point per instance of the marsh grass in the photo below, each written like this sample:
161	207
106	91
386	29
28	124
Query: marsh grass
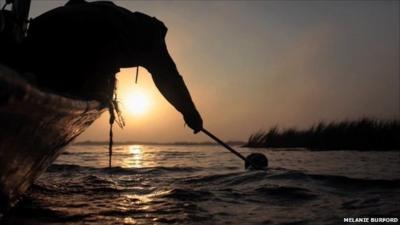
362	134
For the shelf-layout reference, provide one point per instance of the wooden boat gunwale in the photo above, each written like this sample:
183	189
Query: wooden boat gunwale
15	87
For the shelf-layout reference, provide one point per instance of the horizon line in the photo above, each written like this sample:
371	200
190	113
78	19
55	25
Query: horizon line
90	142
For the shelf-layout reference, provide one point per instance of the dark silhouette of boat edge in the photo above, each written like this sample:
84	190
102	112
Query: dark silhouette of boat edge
35	127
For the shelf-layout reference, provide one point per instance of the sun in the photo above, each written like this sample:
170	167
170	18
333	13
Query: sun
136	102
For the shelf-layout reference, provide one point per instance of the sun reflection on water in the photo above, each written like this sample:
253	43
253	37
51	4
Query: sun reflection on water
129	220
137	156
135	149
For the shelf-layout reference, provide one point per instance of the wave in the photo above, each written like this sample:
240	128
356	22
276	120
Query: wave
337	181
251	180
188	195
255	178
286	192
148	170
119	170
54	168
358	183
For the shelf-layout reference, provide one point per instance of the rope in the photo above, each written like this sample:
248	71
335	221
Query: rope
115	116
110	141
137	74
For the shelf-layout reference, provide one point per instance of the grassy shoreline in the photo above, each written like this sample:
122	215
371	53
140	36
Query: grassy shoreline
364	134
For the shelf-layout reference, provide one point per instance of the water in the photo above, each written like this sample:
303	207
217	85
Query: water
208	185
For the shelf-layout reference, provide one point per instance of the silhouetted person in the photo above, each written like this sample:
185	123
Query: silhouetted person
77	49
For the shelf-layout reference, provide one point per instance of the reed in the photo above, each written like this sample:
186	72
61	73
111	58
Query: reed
363	134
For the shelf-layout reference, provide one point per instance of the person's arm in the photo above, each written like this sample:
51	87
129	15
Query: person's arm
143	43
171	85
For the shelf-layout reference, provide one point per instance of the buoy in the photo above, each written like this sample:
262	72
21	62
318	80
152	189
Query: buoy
258	160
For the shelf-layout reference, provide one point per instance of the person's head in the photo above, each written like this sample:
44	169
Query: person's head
257	160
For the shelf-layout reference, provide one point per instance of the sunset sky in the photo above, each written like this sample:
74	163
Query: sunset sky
251	65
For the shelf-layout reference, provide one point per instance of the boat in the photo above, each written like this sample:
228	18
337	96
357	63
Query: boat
35	127
35	124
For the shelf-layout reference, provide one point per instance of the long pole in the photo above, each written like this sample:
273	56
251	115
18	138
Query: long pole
212	136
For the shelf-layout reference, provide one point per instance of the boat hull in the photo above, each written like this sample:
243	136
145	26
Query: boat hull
35	127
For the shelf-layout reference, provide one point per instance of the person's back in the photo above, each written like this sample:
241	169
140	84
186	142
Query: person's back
77	49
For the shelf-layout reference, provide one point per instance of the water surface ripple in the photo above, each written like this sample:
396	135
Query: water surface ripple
206	185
